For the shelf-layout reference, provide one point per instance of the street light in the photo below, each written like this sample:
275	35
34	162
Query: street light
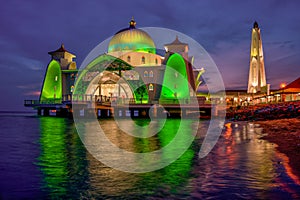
282	86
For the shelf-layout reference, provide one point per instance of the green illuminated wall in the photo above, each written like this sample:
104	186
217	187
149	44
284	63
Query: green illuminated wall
101	63
136	47
52	87
175	82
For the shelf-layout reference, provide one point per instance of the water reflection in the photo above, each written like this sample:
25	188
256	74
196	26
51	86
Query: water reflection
19	176
127	185
124	152
62	159
70	172
241	165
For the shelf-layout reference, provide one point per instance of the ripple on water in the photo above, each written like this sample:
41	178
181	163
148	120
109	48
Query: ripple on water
47	158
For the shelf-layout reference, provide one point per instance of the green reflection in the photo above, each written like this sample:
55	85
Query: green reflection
53	157
144	145
177	173
70	173
62	159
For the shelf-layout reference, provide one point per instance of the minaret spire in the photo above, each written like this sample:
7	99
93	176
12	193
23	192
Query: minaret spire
257	76
132	23
255	25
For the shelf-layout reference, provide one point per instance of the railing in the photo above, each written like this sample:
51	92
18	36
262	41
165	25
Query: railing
102	100
67	99
31	102
38	102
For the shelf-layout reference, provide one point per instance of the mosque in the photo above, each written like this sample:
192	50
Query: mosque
132	72
142	75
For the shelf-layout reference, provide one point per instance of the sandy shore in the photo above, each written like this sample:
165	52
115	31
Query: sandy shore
286	134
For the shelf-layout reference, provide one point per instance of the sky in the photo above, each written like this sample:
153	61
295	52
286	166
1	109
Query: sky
30	29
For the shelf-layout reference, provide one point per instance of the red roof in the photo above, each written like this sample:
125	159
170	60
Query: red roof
61	49
294	84
176	42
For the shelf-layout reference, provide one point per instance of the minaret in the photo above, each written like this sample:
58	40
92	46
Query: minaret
60	76
257	76
183	48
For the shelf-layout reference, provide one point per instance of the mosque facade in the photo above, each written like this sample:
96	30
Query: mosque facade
139	73
131	71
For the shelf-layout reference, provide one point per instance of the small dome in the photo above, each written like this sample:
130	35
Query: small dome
131	39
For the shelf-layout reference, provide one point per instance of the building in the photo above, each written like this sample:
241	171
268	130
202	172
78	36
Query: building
258	91
287	93
130	72
257	77
60	76
141	75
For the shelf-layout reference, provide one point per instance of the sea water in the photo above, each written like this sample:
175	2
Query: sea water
44	158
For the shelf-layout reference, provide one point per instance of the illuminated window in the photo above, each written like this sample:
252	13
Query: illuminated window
72	88
143	60
146	74
150	87
151	74
128	59
56	78
176	74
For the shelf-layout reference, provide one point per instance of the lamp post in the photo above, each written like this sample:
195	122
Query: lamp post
282	86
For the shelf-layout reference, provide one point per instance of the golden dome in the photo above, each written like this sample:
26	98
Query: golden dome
131	39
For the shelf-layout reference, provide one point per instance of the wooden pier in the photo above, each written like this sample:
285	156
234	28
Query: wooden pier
121	108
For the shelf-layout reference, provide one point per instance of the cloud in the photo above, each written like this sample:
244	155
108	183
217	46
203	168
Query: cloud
28	86
32	93
29	29
21	62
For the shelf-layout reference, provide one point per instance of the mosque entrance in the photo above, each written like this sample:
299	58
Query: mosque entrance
109	87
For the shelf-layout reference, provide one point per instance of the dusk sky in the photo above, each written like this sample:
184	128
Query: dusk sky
30	29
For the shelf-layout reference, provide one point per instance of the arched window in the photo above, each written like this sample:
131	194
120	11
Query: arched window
146	74
151	74
156	61
150	87
128	59
143	60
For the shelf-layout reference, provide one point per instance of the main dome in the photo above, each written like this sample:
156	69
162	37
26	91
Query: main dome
131	39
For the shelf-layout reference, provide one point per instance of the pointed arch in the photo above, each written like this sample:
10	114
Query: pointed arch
52	86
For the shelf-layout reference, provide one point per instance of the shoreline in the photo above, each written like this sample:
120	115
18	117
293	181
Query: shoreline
285	133
264	112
